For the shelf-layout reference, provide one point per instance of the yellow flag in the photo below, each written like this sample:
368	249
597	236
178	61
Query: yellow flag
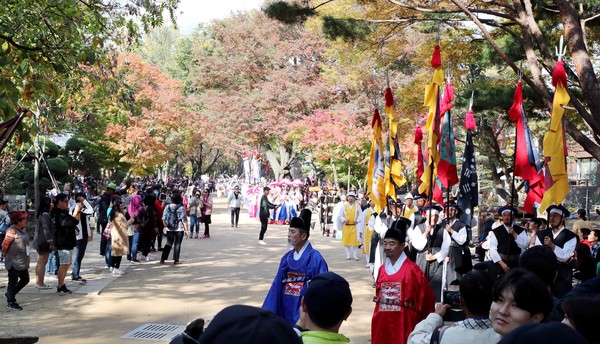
556	179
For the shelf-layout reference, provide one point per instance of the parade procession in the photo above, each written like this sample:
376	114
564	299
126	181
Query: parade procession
293	171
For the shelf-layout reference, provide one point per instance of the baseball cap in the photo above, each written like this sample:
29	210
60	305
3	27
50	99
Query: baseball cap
112	186
17	215
266	188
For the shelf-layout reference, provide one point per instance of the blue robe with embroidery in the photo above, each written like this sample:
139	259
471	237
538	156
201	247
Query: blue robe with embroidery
289	284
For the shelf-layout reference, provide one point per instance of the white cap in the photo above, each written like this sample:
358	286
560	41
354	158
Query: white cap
408	196
556	211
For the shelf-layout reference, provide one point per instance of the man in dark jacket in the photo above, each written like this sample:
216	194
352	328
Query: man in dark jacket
264	212
65	236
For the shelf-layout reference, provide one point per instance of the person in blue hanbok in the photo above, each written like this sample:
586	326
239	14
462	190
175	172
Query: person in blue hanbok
296	268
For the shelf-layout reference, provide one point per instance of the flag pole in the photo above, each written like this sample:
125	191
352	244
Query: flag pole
447	210
513	189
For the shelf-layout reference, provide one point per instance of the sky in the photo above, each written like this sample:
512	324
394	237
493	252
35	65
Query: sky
192	12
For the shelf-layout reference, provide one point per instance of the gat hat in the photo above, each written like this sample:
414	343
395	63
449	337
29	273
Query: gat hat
253	325
112	186
351	193
548	333
302	221
559	209
506	208
266	188
408	196
401	224
452	204
419	196
17	215
396	234
328	298
434	208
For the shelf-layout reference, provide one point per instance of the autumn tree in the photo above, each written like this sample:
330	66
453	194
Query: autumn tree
253	77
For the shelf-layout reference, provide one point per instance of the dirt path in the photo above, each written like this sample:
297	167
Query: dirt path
229	268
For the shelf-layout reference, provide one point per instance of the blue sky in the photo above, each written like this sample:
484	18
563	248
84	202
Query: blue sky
192	12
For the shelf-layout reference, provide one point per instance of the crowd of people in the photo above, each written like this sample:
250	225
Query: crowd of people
427	287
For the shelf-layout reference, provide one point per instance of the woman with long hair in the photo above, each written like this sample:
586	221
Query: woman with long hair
43	240
582	313
138	213
207	205
118	235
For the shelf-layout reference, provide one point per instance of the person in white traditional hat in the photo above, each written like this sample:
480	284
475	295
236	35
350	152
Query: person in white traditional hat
562	242
350	215
409	207
506	242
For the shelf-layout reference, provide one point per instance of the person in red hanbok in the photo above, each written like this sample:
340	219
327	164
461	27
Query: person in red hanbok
403	297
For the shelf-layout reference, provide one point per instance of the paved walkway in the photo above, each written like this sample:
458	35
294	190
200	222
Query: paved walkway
229	268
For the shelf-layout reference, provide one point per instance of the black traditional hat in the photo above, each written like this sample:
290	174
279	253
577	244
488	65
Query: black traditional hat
302	221
419	196
452	204
559	209
396	234
507	208
433	206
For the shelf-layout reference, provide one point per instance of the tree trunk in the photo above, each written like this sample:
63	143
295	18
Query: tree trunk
335	176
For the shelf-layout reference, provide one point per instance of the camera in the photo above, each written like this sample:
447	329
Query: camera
452	298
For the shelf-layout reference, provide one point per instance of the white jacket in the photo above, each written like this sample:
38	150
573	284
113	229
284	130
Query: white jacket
457	333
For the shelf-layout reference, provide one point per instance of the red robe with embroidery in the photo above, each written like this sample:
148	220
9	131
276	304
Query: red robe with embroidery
402	301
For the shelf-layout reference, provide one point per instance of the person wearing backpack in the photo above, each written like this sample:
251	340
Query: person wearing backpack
175	221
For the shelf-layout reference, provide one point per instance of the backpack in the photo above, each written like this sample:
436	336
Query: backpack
172	220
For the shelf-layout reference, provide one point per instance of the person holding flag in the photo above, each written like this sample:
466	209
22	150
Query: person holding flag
432	243
350	215
562	242
506	242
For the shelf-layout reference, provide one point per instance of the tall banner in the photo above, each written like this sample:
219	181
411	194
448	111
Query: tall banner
526	165
432	100
556	179
393	162
376	171
447	172
468	190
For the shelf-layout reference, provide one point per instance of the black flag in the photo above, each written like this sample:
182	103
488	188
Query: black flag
468	195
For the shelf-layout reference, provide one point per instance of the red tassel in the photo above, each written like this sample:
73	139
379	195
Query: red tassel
470	121
376	119
558	74
418	134
436	58
389	97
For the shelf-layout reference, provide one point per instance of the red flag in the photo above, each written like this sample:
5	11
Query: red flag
526	155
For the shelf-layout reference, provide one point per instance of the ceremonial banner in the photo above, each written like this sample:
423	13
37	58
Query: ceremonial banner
468	190
447	166
526	164
556	179
376	171
393	160
432	100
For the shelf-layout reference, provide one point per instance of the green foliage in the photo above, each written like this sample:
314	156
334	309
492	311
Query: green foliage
289	13
58	167
348	29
